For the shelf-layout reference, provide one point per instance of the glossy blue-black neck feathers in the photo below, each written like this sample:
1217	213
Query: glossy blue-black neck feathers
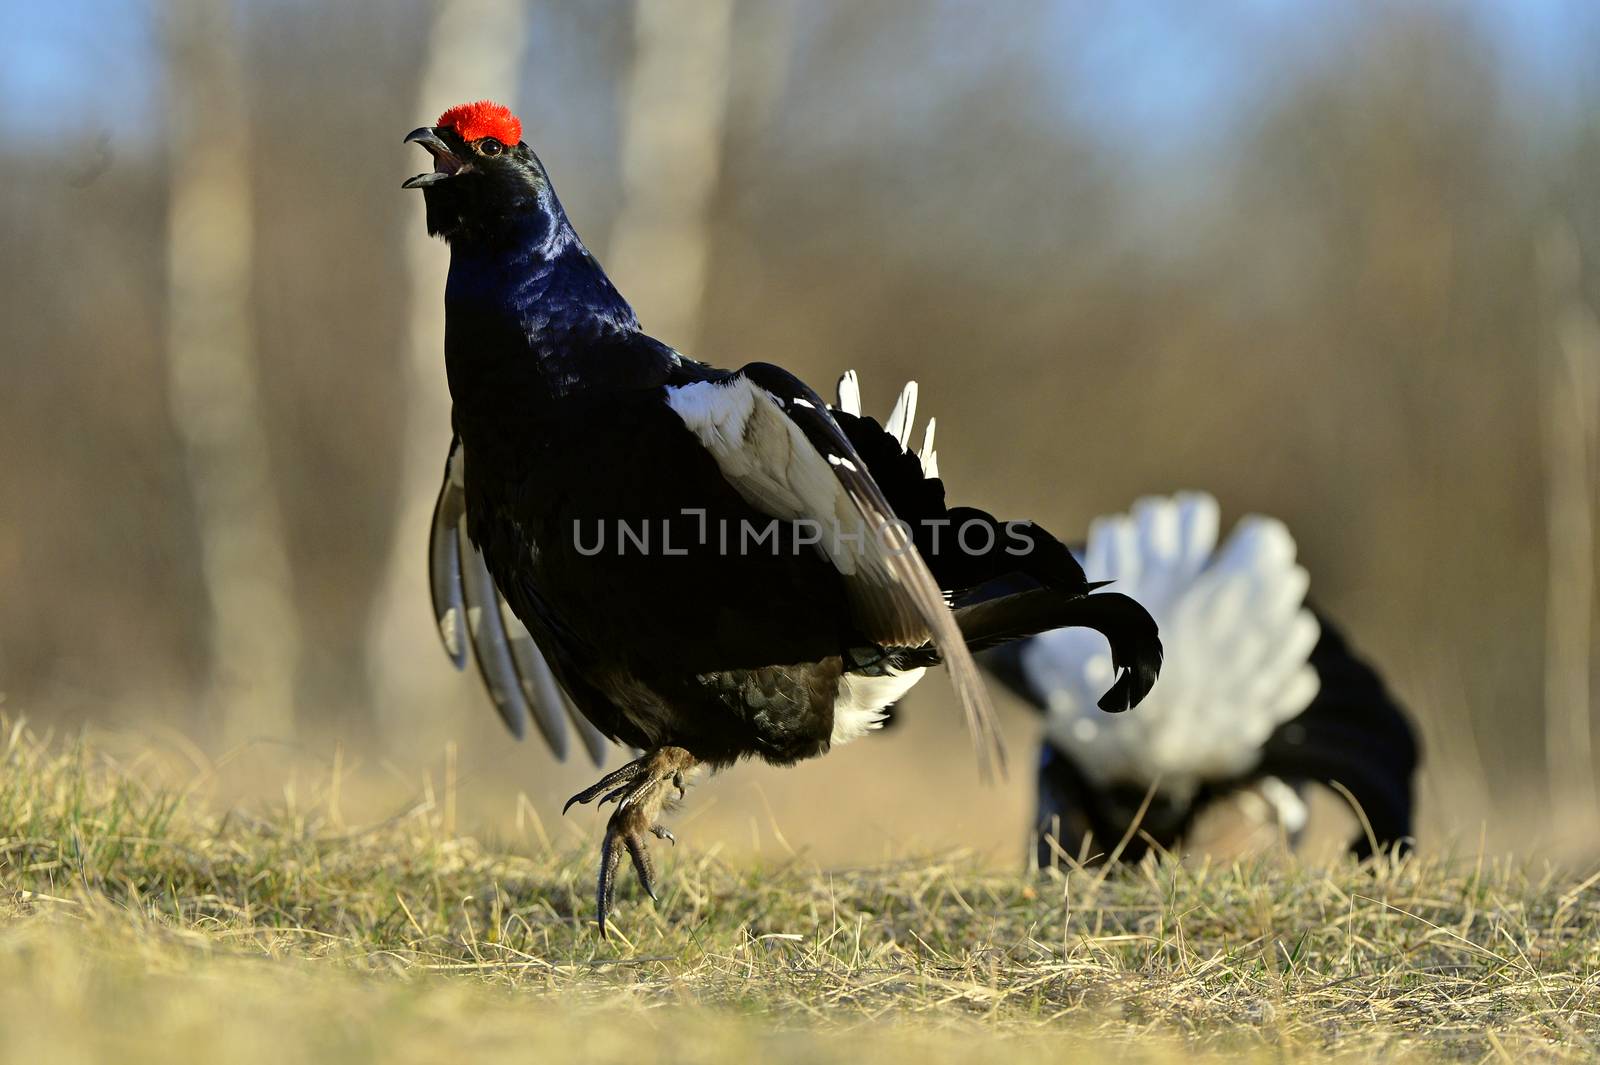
536	271
530	316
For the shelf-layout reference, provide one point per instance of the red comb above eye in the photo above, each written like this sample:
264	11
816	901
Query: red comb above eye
485	118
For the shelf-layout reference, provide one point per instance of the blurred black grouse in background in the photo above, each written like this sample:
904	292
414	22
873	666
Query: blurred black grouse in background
1260	699
707	563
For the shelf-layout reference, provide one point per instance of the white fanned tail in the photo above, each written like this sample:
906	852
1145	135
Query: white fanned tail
1237	637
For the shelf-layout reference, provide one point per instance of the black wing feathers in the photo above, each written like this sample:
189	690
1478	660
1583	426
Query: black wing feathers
913	580
444	564
1353	733
492	649
472	613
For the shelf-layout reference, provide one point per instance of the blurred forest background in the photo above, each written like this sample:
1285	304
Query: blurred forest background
1332	261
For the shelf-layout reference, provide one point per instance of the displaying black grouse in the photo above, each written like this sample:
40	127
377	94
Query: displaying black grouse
710	565
1260	698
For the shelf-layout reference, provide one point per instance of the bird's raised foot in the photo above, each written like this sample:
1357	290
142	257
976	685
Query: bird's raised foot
641	789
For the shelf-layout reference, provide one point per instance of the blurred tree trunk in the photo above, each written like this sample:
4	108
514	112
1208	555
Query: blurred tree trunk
672	140
1570	388
474	52
211	376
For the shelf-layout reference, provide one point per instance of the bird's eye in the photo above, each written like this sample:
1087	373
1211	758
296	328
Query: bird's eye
490	146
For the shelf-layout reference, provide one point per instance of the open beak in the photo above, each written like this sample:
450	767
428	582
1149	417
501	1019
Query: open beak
445	162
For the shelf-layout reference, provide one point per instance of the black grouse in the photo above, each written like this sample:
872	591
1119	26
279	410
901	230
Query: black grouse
708	564
1260	698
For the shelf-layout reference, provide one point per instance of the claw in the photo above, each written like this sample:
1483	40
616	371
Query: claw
662	832
622	776
642	865
605	890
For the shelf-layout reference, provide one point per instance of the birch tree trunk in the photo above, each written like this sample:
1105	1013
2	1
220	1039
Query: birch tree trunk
672	140
474	52
254	642
1570	393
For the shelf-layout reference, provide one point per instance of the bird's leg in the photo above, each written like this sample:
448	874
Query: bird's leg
641	788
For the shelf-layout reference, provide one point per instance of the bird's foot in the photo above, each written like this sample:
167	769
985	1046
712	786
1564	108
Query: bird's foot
640	789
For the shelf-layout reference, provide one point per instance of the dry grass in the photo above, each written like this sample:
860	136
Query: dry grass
139	923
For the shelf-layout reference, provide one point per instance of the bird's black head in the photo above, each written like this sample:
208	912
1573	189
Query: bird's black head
486	184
